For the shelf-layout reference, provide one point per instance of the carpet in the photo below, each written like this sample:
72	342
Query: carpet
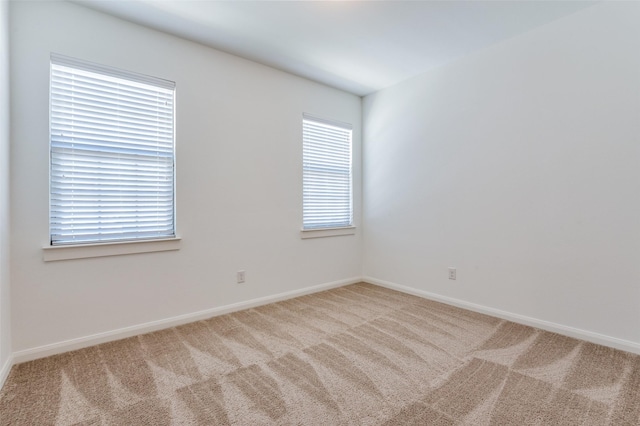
355	355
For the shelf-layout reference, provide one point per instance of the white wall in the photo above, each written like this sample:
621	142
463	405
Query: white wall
239	187
520	166
5	312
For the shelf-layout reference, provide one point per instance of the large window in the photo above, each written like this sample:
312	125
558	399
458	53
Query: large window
112	154
327	182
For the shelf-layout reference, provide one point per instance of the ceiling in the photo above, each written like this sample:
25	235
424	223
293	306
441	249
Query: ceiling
357	46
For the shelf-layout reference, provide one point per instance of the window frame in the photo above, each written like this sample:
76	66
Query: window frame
329	229
113	246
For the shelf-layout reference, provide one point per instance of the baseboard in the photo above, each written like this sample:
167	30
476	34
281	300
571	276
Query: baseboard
122	333
601	339
5	369
95	339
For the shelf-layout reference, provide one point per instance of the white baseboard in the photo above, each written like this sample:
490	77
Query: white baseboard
95	339
5	369
601	339
122	333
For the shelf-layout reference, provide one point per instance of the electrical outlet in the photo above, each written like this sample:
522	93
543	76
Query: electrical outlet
452	273
240	277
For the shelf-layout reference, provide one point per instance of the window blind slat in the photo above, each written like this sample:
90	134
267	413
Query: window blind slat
327	180
112	154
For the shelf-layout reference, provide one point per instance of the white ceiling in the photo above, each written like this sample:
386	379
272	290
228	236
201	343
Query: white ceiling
357	46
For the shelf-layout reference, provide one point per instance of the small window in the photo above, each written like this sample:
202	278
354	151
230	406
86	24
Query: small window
327	183
111	153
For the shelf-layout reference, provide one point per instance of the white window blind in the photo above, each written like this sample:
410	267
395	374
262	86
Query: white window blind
112	154
327	189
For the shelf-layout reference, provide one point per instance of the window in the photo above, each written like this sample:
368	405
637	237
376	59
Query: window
112	154
327	187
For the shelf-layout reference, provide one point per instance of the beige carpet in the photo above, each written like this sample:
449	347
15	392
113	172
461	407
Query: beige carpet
359	354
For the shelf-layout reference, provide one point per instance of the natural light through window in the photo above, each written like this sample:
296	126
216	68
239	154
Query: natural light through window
327	176
112	154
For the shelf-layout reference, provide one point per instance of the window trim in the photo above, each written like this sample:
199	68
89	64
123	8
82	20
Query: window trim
330	230
131	245
111	248
327	232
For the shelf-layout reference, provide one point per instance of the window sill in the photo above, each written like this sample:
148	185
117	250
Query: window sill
327	232
81	251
